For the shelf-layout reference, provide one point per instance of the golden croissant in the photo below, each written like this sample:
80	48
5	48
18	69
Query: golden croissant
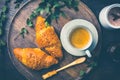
47	38
34	58
48	41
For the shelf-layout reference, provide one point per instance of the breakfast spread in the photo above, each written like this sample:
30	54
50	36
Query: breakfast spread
49	50
28	54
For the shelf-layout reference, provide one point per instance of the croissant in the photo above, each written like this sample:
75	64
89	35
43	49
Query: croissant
34	58
47	38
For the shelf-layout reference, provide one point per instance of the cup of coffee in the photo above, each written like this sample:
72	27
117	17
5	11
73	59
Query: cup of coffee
110	16
80	38
77	38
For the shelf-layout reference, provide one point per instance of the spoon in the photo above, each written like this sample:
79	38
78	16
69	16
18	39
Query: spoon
51	73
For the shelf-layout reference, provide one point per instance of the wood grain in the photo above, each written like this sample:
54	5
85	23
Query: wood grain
29	41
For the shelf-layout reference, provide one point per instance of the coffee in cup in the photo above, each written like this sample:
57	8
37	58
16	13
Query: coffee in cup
80	38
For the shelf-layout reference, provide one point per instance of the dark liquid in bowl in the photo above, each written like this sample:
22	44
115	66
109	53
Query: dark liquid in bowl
114	16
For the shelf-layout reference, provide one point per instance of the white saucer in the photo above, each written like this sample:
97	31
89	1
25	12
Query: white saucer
70	26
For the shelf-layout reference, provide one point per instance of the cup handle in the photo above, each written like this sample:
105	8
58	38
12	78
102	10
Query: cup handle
88	53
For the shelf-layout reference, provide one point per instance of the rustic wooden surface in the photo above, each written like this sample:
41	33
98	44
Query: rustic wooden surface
20	21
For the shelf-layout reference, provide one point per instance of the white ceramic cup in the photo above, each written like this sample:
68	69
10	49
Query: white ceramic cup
103	17
65	37
85	48
76	27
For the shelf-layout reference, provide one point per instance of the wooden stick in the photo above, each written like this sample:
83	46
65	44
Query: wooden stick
51	73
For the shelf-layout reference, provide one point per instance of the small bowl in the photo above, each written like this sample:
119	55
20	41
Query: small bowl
103	17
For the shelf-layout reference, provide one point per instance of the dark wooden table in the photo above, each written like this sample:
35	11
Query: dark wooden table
106	69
